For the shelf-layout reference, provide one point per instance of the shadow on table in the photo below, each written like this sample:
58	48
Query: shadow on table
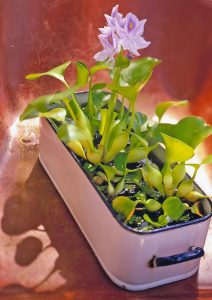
43	249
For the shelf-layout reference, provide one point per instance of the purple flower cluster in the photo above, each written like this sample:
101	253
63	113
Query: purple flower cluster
121	33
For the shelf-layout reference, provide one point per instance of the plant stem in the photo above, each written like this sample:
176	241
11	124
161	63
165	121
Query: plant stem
90	99
66	102
122	108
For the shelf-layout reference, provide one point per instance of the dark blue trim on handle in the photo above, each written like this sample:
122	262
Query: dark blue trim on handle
193	253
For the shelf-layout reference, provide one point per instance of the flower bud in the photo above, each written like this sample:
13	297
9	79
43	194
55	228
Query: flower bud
136	154
178	174
153	178
185	188
152	205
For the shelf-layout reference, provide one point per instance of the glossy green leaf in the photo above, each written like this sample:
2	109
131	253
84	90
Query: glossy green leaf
99	67
152	205
140	119
173	207
124	206
178	173
119	143
139	71
134	177
194	196
120	186
127	91
77	148
57	72
94	155
82	74
190	130
136	154
69	132
150	221
176	150
185	188
153	177
162	107
43	104
100	99
99	86
57	114
120	161
109	171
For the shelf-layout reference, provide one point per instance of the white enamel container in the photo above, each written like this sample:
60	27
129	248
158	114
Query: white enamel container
129	258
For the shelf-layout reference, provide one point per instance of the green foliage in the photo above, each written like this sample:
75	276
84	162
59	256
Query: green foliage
173	207
162	107
124	206
114	143
57	73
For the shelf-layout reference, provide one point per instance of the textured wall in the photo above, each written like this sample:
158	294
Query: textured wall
38	34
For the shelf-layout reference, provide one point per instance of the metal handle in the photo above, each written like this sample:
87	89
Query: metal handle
193	253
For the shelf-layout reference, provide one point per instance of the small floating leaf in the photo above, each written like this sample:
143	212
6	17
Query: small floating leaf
173	207
124	206
152	205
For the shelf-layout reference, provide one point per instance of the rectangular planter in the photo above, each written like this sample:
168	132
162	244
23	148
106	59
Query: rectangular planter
133	260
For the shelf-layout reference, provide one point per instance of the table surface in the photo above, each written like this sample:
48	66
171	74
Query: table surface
43	254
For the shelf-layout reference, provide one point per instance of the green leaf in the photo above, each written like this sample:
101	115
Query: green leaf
77	148
57	72
136	154
99	86
120	161
82	74
207	160
139	71
69	133
43	104
57	114
127	91
124	206
99	67
162	107
150	221
140	119
176	150
152	205
173	207
119	143
100	99
109	171
190	130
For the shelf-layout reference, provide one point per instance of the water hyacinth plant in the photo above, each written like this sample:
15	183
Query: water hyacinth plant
115	144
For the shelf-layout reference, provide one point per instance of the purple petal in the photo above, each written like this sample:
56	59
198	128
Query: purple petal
101	56
140	43
140	27
131	23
